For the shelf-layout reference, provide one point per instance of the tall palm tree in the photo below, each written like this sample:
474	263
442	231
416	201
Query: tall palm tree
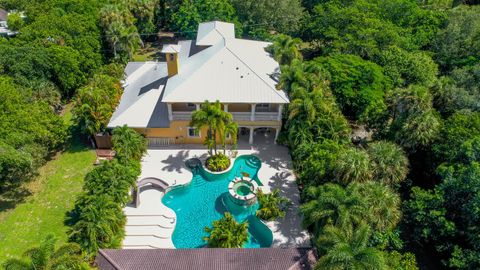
129	40
389	162
348	249
383	205
215	119
285	49
227	233
48	257
352	165
333	204
128	144
230	129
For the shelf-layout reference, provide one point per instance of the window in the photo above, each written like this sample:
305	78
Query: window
263	107
193	132
171	56
191	106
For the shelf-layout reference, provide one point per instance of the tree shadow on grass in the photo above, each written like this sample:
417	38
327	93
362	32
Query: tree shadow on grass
13	196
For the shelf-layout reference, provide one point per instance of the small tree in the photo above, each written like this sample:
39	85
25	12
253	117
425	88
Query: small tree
271	205
15	21
47	257
128	144
227	233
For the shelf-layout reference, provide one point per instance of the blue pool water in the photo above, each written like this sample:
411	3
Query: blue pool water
205	200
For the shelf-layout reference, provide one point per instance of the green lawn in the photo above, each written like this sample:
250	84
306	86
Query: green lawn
53	195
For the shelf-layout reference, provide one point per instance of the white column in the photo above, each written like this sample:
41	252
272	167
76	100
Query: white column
197	107
280	108
170	115
277	131
225	107
250	140
252	112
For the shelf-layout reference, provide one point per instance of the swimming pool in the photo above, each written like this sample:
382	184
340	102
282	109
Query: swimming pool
205	200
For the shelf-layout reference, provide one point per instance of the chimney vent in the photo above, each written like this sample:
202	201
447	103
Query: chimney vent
171	52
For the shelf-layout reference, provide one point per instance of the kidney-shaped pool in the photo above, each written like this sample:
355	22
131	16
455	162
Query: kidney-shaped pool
206	198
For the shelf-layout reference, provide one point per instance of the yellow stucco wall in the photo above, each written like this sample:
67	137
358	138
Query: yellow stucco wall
239	107
179	130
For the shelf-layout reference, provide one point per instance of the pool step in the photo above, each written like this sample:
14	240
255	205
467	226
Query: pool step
148	230
198	181
152	220
253	162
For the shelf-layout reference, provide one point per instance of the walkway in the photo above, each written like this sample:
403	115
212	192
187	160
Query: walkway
168	164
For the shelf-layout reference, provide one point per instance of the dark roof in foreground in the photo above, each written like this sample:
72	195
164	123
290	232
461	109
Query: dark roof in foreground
207	258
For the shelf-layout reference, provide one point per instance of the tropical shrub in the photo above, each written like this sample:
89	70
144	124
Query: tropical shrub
285	49
98	222
113	179
413	122
457	129
358	85
332	204
96	102
352	165
272	205
217	163
48	257
314	162
388	161
128	144
227	233
348	249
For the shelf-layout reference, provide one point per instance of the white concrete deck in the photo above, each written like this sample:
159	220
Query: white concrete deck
168	164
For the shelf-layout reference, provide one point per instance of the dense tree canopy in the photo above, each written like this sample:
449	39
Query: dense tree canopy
358	85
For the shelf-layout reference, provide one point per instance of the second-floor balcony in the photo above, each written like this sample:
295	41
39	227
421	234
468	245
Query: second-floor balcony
240	112
237	116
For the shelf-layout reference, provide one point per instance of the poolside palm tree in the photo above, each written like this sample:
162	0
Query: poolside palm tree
333	204
230	128
390	165
215	119
128	144
271	205
47	257
227	233
348	249
285	49
352	165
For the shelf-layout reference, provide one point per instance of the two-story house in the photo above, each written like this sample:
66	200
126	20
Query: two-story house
159	97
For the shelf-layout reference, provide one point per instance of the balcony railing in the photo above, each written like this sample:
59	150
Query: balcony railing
238	116
182	116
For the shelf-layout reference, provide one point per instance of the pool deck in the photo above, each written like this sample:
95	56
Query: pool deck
152	224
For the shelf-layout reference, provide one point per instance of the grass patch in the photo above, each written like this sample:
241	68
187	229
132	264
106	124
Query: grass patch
151	51
53	194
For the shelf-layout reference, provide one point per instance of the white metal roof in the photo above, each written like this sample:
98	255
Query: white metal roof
231	71
142	90
171	48
210	33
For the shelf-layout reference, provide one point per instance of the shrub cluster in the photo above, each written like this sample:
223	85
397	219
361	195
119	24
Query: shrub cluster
217	163
98	220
